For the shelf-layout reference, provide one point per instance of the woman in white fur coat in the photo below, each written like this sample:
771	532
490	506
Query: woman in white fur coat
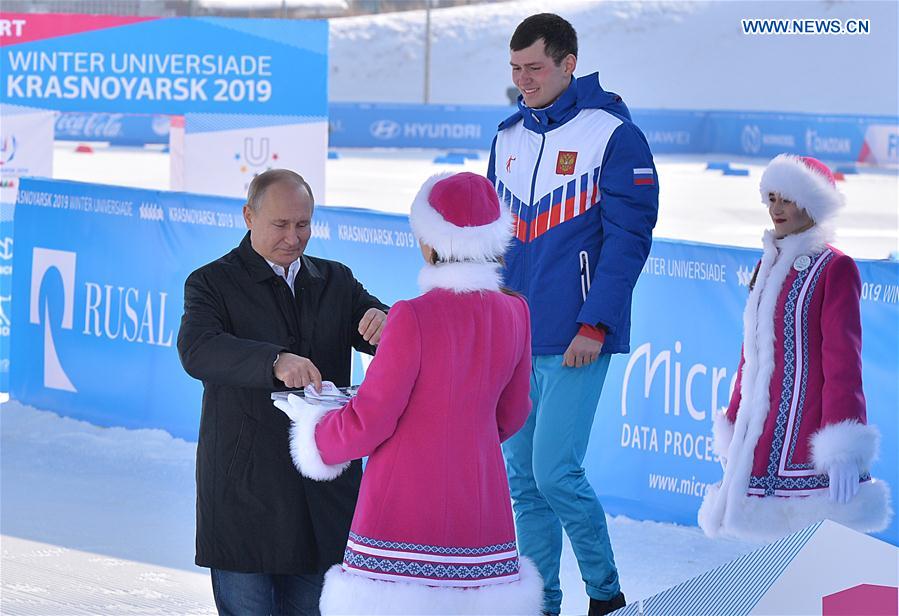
794	440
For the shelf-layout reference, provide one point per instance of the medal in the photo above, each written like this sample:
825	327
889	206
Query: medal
801	263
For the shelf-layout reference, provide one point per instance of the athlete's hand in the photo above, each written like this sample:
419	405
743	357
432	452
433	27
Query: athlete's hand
581	351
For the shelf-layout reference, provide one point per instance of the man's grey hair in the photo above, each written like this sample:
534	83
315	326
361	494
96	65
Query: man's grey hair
265	179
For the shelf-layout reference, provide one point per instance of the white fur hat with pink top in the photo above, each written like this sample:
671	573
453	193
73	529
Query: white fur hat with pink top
460	216
805	181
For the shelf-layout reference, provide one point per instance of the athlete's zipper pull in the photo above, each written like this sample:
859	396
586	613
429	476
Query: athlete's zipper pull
585	274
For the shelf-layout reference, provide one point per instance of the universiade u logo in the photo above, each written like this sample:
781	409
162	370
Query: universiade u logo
43	259
256	153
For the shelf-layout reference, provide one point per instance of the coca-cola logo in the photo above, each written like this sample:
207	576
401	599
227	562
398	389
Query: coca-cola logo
161	124
90	125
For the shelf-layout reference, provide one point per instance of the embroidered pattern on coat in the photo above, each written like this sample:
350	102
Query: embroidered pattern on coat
431	564
431	549
772	481
788	463
430	571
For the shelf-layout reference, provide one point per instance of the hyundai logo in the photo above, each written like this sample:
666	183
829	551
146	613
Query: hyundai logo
385	129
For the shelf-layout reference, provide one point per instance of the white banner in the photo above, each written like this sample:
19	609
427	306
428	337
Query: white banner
224	162
881	146
26	146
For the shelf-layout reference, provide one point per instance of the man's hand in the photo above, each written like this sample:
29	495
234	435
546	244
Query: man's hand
371	325
581	351
296	372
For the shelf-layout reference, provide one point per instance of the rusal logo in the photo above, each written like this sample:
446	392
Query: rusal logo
43	260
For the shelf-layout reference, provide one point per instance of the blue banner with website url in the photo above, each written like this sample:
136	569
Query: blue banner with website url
650	453
98	279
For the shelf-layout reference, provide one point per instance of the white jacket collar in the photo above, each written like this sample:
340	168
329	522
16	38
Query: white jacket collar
460	277
809	242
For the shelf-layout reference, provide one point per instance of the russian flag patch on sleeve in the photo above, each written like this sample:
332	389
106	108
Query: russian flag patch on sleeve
644	177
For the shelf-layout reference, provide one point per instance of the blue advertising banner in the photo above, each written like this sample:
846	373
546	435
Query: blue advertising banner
98	280
673	132
165	65
6	255
765	135
250	90
363	125
869	139
100	272
116	128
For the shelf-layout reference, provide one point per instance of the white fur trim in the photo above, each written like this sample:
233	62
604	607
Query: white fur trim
304	451
346	593
809	242
810	190
768	518
722	433
845	441
758	352
460	277
708	517
483	243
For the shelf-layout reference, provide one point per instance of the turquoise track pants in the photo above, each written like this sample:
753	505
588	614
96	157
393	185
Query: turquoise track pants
550	491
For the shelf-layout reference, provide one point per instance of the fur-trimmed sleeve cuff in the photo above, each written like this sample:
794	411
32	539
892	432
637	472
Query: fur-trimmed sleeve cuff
304	451
722	433
845	441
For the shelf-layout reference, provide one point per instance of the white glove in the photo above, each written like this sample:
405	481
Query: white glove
295	407
843	481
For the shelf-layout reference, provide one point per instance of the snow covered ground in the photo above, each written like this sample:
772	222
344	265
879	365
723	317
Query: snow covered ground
101	521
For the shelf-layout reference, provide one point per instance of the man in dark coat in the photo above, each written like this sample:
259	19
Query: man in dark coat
261	318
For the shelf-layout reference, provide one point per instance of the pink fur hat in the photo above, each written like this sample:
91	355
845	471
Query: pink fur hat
459	216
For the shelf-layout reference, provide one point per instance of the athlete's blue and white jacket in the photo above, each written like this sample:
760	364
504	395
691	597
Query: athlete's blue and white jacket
580	181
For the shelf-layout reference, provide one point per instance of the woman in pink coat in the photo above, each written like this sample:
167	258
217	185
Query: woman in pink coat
433	530
795	441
